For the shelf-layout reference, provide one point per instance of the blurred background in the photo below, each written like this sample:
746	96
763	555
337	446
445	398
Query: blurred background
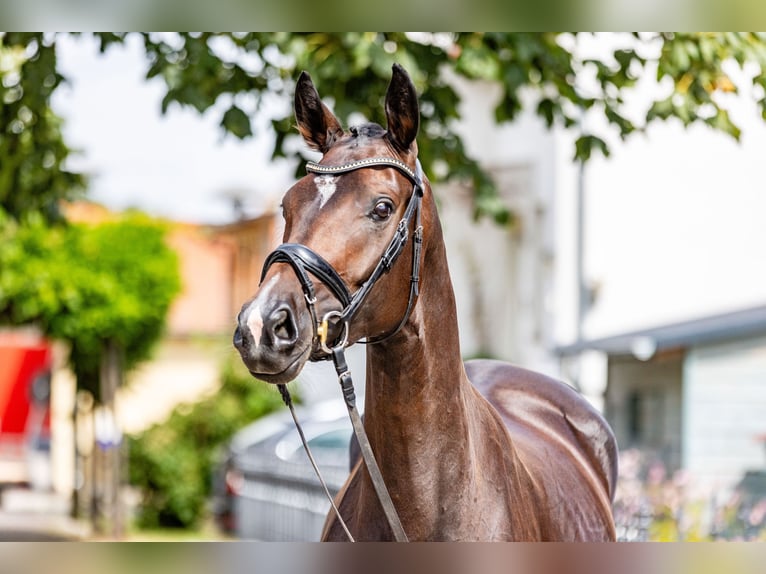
602	211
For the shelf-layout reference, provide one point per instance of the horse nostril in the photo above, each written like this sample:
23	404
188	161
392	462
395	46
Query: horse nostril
239	341
283	326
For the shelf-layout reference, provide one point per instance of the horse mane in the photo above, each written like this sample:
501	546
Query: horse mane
370	130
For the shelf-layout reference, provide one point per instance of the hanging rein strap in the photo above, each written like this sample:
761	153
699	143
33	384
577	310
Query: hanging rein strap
349	397
289	402
302	259
347	386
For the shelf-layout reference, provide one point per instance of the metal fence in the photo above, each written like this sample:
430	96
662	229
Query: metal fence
284	501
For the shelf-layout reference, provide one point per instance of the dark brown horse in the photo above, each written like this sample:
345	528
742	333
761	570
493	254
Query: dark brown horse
475	451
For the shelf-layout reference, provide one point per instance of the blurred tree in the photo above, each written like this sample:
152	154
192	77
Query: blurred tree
105	290
546	71
87	285
32	151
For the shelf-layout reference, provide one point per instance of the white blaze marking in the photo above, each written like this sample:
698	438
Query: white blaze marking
255	318
326	186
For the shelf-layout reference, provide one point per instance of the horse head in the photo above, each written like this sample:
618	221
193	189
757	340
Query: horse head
339	277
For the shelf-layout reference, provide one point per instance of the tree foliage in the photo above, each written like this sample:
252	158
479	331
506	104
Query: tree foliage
548	72
33	176
89	284
543	71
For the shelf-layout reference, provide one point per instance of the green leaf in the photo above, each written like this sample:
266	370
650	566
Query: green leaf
350	70
237	122
680	57
661	109
625	58
722	122
586	144
547	109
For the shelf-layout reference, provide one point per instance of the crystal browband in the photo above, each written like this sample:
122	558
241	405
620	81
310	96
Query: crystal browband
367	162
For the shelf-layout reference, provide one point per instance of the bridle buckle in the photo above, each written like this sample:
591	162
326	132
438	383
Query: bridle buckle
323	330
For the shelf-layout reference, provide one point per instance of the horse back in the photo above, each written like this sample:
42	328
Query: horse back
563	441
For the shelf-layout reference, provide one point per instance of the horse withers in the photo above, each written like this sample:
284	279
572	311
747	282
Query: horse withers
476	451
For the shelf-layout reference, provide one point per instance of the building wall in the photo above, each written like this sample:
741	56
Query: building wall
220	270
643	404
724	406
503	276
204	305
251	241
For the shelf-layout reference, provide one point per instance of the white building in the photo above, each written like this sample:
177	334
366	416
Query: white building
673	258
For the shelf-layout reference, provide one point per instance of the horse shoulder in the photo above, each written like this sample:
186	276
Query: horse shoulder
543	414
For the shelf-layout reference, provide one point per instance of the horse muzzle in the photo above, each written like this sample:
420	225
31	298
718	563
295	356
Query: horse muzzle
273	339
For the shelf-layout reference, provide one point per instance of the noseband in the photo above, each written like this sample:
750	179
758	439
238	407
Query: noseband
304	260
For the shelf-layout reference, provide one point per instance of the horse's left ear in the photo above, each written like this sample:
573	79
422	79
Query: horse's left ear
402	110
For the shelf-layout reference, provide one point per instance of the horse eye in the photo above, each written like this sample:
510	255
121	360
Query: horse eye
383	210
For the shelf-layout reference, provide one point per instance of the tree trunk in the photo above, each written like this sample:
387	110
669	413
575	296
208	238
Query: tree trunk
108	441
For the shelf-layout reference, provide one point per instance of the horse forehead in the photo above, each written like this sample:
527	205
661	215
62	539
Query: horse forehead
358	149
326	185
352	183
350	149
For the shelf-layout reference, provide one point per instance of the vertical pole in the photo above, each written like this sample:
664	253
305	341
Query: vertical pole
581	303
85	454
111	378
78	468
582	292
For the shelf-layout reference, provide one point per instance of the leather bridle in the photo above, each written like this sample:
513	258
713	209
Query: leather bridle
304	261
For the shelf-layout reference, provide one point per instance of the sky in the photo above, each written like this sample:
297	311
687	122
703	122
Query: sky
180	165
675	225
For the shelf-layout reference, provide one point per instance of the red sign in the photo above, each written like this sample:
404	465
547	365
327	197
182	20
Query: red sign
25	374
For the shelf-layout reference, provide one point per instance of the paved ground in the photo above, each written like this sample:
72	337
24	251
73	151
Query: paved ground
26	515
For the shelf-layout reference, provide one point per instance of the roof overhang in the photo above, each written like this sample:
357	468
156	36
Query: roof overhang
744	323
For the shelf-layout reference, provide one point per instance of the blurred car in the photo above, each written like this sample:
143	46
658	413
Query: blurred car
265	488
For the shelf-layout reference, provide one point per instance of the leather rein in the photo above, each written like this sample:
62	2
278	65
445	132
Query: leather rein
304	261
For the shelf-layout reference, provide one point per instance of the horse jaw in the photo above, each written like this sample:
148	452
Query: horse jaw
287	375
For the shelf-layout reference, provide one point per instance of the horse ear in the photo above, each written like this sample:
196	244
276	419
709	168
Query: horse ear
316	123
402	109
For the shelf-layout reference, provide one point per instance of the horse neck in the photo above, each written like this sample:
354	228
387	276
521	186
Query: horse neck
417	390
422	361
428	426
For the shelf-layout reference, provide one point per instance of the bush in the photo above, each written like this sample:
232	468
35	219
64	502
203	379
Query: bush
172	463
